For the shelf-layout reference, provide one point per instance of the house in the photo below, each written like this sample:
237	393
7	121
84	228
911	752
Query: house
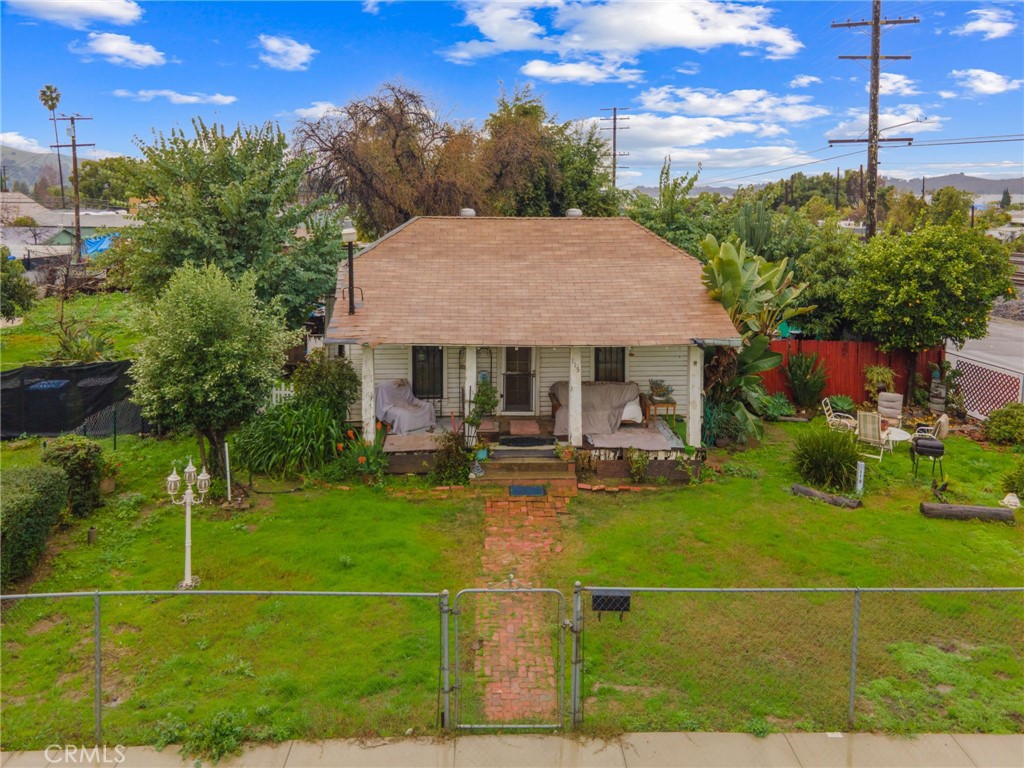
528	302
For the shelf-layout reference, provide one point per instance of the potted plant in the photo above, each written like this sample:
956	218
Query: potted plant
565	451
109	470
660	391
484	402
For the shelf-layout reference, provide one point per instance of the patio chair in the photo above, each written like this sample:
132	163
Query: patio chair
939	430
870	435
841	422
890	408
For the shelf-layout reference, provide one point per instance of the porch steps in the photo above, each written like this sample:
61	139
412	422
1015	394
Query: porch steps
505	470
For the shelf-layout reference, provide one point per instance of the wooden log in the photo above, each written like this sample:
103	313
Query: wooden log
838	501
966	512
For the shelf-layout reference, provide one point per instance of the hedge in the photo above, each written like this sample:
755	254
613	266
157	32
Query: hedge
82	462
33	500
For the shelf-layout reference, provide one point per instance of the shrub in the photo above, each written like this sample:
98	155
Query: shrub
453	461
17	294
330	381
83	463
638	462
1005	425
827	458
719	422
806	376
878	377
359	458
24	221
291	438
771	407
1013	481
843	404
33	500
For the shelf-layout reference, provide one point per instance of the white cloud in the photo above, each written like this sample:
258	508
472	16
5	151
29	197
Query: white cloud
373	6
754	103
603	35
119	49
314	111
582	72
78	14
802	81
891	84
15	140
983	82
947	95
652	137
906	119
96	153
993	23
176	98
689	68
285	53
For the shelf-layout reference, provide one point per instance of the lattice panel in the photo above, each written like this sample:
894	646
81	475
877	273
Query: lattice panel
986	389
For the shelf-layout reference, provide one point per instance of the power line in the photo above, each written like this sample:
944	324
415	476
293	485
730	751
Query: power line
614	128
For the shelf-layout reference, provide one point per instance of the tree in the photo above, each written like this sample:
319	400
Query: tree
209	354
111	180
826	267
232	200
44	185
390	156
49	96
1005	201
16	293
906	212
950	205
914	291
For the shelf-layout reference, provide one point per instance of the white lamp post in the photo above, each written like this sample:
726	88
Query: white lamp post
188	498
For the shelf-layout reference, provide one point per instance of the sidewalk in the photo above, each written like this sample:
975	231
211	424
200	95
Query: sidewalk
641	750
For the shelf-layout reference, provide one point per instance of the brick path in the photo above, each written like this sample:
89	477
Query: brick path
516	656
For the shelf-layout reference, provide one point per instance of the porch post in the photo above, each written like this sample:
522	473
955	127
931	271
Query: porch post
470	384
576	396
369	417
695	390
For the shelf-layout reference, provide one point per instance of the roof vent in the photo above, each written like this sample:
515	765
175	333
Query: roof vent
573	213
467	213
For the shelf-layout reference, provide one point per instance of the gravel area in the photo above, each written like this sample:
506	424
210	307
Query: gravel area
1010	310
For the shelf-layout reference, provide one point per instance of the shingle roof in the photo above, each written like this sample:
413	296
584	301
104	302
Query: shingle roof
526	281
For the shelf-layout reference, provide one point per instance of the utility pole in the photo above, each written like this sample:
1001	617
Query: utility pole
3	177
876	24
614	128
922	187
74	166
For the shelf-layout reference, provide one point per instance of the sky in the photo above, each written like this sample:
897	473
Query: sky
749	91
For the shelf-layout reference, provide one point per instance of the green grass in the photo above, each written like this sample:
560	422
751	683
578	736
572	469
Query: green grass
302	667
329	667
32	342
730	662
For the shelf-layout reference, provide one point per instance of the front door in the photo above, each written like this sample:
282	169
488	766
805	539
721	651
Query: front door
518	380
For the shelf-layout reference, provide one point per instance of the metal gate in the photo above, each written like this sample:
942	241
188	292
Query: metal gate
509	659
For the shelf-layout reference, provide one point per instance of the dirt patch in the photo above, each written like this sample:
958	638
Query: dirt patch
45	625
122	628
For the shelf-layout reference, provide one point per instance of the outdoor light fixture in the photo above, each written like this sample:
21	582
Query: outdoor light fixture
202	483
348	236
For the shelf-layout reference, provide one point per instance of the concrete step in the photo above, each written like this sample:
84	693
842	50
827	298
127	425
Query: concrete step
528	469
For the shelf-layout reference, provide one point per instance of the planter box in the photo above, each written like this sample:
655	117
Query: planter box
657	468
411	463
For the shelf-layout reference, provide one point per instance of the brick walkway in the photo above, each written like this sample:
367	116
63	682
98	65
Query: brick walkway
516	642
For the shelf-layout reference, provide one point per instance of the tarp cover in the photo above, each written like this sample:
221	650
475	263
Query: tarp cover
603	402
51	400
396	404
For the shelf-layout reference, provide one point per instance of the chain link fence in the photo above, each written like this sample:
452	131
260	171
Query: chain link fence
916	660
132	667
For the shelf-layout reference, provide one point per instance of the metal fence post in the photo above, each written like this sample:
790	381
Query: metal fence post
853	656
446	688
115	427
97	670
576	708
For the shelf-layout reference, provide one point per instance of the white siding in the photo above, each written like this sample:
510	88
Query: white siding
389	362
667	363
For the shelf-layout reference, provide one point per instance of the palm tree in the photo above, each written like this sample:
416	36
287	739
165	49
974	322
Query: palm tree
49	95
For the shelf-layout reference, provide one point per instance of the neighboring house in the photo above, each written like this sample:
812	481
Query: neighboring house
531	301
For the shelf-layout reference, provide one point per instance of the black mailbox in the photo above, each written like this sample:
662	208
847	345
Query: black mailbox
614	600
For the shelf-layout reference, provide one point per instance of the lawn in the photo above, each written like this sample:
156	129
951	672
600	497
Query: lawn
321	667
32	342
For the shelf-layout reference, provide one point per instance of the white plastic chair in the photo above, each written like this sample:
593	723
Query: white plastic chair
841	422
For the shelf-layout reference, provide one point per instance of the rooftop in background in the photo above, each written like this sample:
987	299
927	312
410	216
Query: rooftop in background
526	281
14	204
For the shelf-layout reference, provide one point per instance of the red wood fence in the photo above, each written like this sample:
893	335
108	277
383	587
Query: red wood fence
845	362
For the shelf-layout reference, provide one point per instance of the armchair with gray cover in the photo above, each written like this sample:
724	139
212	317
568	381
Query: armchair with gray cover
396	405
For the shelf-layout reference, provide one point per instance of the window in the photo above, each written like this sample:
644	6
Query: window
609	363
428	372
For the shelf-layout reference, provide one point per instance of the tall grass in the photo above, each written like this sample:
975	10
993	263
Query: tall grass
290	439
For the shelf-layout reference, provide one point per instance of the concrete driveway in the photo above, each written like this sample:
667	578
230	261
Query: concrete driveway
1003	347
